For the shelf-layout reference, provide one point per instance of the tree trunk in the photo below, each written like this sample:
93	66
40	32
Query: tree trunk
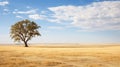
26	45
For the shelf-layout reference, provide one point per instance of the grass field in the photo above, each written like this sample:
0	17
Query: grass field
60	56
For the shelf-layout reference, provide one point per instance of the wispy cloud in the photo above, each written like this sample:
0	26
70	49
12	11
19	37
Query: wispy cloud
36	16
19	16
28	7
96	16
55	27
32	11
6	11
3	3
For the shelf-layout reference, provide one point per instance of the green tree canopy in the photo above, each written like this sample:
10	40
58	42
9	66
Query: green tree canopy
24	31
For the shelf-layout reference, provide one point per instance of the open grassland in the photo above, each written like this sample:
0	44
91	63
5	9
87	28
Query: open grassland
60	56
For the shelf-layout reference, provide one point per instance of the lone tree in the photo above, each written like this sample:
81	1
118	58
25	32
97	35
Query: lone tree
24	30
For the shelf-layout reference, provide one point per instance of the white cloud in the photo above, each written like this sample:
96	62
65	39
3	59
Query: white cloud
19	16
96	16
28	7
4	3
6	11
32	14
33	11
55	27
36	16
15	10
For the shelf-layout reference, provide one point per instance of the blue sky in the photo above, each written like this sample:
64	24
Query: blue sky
64	21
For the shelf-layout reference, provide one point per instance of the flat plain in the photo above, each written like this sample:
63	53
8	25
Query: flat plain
60	56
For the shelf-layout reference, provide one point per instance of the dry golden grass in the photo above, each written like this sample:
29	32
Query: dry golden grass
60	56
